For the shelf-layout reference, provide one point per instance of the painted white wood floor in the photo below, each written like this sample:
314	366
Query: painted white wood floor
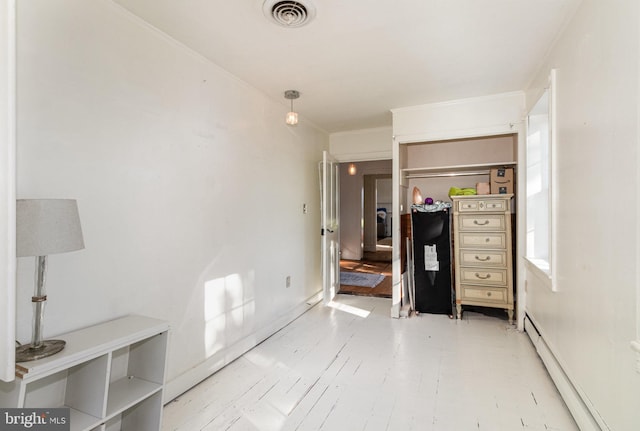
355	368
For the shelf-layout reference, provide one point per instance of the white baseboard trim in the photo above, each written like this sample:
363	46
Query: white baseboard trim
581	409
189	379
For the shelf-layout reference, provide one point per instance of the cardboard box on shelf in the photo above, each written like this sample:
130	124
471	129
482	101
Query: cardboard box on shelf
483	188
501	181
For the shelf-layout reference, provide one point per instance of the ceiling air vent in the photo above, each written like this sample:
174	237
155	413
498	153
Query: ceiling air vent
289	13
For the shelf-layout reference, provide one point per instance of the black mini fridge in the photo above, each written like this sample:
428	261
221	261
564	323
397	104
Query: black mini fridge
433	289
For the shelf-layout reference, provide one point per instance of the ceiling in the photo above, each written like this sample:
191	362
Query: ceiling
358	59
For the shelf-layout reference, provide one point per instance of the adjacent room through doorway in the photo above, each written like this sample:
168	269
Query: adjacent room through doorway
366	221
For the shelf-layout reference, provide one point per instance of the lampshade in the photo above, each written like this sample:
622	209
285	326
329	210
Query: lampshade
47	226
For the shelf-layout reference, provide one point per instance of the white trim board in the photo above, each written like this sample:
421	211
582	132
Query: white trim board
7	189
363	157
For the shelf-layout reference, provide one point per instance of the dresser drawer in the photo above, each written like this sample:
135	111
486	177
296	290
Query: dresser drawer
478	222
483	240
496	277
484	294
485	258
474	205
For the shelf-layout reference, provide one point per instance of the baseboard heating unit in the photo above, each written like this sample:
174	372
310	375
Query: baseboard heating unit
585	415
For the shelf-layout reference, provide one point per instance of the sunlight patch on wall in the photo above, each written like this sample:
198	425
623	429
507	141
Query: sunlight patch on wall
223	312
214	337
214	298
234	290
229	311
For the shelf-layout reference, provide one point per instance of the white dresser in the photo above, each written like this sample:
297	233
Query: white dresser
483	252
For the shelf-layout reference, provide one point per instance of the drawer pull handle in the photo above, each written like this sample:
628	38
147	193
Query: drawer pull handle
486	222
483	260
488	293
487	239
486	277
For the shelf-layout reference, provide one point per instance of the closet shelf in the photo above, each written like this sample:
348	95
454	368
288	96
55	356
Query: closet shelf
454	171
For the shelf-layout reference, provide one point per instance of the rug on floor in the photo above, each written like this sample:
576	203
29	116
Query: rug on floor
360	279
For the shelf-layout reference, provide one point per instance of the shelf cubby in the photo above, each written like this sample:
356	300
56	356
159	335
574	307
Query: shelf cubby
110	376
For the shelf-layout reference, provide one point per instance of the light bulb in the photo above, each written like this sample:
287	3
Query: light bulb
292	118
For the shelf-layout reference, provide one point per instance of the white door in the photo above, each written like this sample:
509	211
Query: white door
329	226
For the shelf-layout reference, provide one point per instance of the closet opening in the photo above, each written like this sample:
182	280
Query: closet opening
454	176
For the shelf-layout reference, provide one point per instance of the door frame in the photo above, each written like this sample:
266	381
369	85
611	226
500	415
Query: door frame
8	189
329	226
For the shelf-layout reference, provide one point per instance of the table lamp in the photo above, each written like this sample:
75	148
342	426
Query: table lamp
44	227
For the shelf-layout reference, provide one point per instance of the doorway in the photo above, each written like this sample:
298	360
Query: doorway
366	228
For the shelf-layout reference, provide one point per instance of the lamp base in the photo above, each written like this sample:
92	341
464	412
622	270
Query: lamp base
49	347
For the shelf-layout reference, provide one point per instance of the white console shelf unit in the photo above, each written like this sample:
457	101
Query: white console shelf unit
111	376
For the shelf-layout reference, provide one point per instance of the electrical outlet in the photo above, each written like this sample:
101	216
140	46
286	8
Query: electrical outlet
288	282
304	208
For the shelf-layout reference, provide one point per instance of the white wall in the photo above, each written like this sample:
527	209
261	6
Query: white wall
464	118
592	318
384	193
366	144
189	184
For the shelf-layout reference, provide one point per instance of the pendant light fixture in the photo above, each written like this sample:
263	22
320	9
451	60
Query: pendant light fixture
352	169
292	116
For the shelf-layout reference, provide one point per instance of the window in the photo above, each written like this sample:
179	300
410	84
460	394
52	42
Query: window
539	187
